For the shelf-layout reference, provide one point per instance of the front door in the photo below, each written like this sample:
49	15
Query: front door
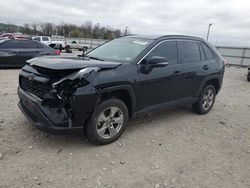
159	85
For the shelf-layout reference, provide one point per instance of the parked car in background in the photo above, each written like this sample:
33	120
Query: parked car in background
118	80
61	45
12	35
79	45
15	52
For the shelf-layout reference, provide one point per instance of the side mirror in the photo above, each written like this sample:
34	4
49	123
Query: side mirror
83	53
158	61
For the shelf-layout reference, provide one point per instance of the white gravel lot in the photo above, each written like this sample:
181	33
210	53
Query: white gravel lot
175	148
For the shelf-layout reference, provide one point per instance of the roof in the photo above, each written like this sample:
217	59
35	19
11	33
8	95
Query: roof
18	39
156	37
14	39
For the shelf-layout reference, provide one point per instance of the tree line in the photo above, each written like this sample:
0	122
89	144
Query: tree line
87	30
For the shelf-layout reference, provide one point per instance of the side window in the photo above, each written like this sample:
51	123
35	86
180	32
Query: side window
37	39
190	51
208	52
29	44
167	50
203	57
45	38
10	44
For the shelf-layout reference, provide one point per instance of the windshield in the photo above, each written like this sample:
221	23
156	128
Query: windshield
121	49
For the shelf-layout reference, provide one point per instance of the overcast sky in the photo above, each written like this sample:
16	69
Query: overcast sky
230	18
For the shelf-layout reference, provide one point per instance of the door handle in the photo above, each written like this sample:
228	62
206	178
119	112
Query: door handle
205	67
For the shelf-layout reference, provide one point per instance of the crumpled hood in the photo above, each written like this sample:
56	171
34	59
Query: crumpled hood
64	63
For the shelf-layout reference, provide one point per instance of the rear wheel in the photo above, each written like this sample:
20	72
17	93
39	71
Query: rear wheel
107	122
248	77
206	100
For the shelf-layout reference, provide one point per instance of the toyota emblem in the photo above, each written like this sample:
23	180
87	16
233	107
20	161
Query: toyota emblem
31	77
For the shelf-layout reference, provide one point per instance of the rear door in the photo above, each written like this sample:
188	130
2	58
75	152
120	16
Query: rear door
195	67
9	51
29	49
210	58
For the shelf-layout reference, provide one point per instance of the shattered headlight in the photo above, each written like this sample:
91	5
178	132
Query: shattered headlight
65	87
75	79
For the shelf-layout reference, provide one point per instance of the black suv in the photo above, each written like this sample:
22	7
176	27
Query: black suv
120	79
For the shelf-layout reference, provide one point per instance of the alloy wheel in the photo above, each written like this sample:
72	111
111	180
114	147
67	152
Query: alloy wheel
109	122
208	99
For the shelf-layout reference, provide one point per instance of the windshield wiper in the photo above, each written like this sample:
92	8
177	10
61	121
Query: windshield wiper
96	58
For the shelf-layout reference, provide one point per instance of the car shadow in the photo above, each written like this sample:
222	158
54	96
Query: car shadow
43	139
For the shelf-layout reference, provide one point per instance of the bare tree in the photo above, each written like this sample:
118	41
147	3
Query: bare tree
96	31
26	29
34	27
59	30
87	30
47	29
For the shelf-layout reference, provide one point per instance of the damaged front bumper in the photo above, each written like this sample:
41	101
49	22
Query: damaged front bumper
55	119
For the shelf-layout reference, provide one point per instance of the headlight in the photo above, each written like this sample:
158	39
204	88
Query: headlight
76	78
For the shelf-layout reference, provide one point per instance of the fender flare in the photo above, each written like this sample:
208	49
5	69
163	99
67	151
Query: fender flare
128	88
207	79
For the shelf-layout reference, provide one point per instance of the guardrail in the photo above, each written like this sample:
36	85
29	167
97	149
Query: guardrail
235	55
92	43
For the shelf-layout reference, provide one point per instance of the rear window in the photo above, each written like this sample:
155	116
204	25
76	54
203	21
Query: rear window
209	54
190	51
45	38
37	39
10	44
29	44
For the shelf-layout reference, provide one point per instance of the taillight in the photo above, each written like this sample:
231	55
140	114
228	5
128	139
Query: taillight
57	52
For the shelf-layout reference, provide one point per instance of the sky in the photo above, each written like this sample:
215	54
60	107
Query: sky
230	18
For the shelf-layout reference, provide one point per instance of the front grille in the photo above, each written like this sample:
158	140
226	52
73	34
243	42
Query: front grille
37	88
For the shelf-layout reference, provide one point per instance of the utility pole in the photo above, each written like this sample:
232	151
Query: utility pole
126	30
208	31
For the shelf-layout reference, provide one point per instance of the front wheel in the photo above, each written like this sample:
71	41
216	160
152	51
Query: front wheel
107	122
248	77
206	100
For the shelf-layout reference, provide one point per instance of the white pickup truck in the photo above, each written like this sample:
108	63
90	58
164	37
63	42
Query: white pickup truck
79	45
54	44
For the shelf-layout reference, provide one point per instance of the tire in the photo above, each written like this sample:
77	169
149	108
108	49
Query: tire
107	122
248	77
60	48
206	100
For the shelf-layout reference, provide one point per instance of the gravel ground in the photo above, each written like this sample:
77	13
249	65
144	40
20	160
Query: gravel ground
175	148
